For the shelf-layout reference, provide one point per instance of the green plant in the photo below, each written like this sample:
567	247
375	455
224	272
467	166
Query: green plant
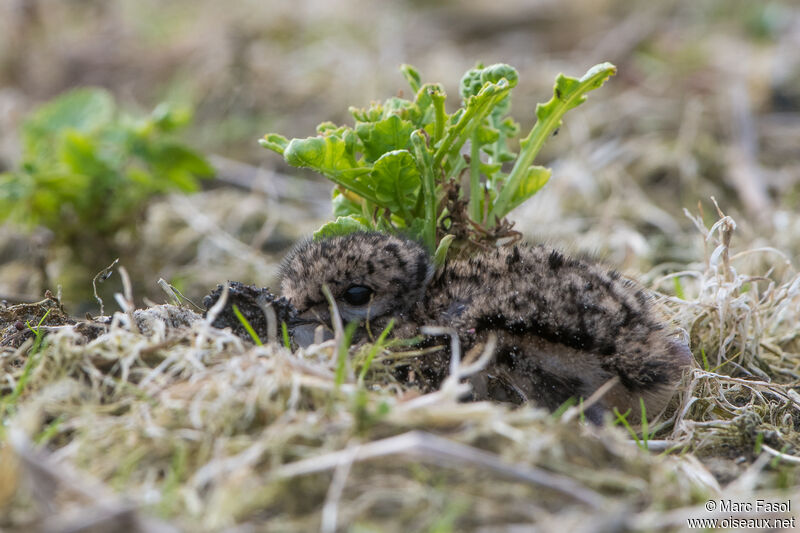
622	419
399	168
8	403
561	409
285	334
247	326
88	170
377	346
342	354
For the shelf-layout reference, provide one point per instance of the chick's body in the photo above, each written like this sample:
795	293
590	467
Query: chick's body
564	326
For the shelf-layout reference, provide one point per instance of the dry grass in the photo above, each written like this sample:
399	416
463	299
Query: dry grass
188	426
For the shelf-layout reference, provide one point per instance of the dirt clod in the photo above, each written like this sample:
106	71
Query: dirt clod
17	322
255	304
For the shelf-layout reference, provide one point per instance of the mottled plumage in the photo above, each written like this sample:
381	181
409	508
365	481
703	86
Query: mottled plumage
564	326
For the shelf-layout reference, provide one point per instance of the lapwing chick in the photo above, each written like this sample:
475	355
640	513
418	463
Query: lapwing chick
373	277
564	326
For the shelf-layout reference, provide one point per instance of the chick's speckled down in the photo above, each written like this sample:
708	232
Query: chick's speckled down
564	326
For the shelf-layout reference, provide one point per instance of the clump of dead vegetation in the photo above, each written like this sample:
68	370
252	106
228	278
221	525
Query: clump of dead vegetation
155	420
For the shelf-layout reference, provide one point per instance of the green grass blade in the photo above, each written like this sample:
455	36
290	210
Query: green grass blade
243	321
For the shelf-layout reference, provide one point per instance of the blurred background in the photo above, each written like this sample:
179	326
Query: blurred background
706	103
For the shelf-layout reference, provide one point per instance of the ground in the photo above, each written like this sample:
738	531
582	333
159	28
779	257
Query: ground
167	422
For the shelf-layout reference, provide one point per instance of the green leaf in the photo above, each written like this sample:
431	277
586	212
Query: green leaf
333	157
393	106
441	250
489	169
412	76
397	106
139	177
16	192
431	98
342	226
392	133
329	155
343	205
477	109
55	191
79	155
374	113
508	129
14	187
275	142
329	129
471	84
84	110
568	93
187	159
396	181
536	178
169	117
486	134
417	229
179	166
475	79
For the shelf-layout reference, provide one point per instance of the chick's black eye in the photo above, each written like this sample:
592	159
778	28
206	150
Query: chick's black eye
357	295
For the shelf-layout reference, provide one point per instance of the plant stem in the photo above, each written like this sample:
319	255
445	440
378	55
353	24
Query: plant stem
475	193
493	122
530	149
438	97
429	200
471	118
